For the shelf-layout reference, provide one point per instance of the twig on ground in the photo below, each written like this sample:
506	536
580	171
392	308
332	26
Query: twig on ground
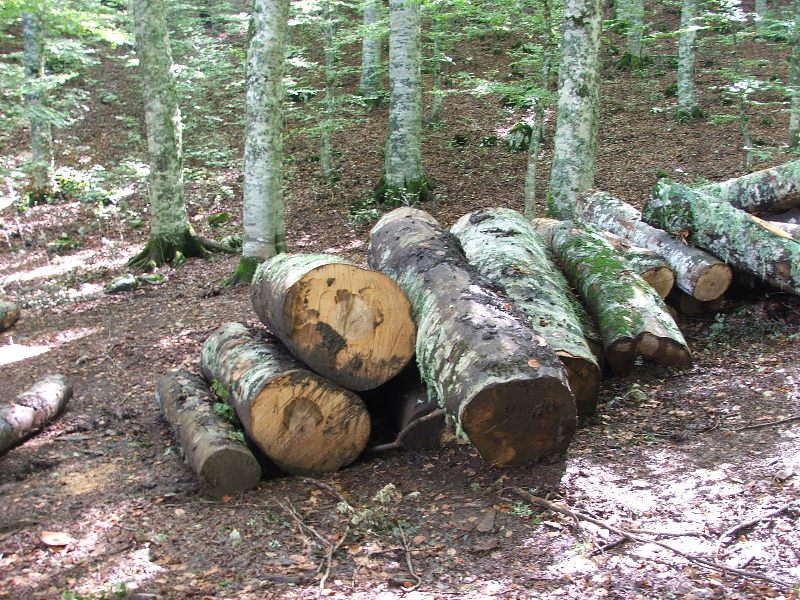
329	559
769	423
731	533
397	444
409	564
327	488
710	564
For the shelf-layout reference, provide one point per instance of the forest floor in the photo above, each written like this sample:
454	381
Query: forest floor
679	455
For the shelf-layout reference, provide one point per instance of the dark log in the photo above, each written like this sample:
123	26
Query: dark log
505	249
742	240
632	318
222	461
33	409
9	314
691	306
301	421
501	384
767	191
697	272
349	324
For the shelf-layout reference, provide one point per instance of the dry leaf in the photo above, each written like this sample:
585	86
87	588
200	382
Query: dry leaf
486	523
489	543
56	538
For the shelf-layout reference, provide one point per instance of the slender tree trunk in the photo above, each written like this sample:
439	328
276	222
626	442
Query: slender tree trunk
42	181
688	108
404	181
575	143
761	10
371	85
635	51
328	30
794	81
438	97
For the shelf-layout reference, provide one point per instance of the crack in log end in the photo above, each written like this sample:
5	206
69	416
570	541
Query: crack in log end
331	342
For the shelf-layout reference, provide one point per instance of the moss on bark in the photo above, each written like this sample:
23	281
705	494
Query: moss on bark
244	272
410	194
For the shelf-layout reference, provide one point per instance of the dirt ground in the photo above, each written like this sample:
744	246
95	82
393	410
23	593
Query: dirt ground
678	457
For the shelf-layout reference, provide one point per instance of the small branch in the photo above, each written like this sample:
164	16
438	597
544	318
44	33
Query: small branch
731	533
408	559
327	488
329	560
384	447
769	423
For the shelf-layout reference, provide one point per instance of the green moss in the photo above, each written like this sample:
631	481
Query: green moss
687	115
410	194
244	272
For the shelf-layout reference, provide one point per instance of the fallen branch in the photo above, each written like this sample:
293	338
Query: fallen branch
770	423
409	564
709	564
731	533
327	488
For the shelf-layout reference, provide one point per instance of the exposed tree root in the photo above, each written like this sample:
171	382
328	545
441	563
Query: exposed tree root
161	250
243	273
410	193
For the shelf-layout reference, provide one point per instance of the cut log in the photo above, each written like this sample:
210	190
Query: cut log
646	263
33	409
9	314
349	324
501	384
222	462
632	318
697	273
691	306
301	421
768	191
740	239
504	248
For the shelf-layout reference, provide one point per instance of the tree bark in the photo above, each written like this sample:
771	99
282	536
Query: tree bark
503	246
794	81
632	318
301	421
767	191
688	108
223	464
9	314
349	324
697	273
328	35
33	409
646	264
632	13
42	182
371	85
740	239
502	385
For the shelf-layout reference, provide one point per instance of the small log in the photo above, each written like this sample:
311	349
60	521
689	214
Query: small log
697	273
633	319
223	463
740	239
505	249
9	314
500	383
349	324
767	191
33	409
301	421
691	306
648	265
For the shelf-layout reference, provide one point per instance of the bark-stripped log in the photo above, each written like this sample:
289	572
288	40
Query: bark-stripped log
646	263
9	314
223	464
502	385
697	273
740	239
632	318
301	421
766	191
504	248
33	409
349	324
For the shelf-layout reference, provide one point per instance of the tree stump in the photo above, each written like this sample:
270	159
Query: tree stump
33	409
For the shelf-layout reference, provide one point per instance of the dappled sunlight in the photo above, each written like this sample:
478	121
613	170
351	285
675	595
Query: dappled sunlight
59	265
11	352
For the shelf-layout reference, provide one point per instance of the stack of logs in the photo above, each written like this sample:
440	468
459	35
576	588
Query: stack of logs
505	350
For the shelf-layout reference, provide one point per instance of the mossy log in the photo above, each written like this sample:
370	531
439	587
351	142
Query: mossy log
768	191
632	318
33	409
222	462
501	384
504	248
301	421
696	272
646	263
9	314
349	324
742	240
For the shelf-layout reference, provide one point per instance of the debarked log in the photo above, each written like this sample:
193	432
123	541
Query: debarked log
349	324
767	191
33	409
504	248
219	457
501	384
303	422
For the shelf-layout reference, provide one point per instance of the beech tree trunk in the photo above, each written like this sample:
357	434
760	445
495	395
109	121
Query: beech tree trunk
632	13
9	314
697	273
301	421
33	409
348	324
688	107
329	112
223	464
371	85
632	318
502	245
794	81
740	239
42	165
501	384
767	191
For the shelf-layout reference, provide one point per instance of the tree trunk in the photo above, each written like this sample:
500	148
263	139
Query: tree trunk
223	463
645	263
42	182
301	421
437	91
632	13
688	108
794	81
505	249
502	385
767	191
697	273
575	143
9	314
371	86
328	35
348	324
33	409
760	7
633	319
740	239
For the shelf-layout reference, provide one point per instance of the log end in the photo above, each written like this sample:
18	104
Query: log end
584	381
520	422
664	350
713	283
661	279
229	471
621	355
